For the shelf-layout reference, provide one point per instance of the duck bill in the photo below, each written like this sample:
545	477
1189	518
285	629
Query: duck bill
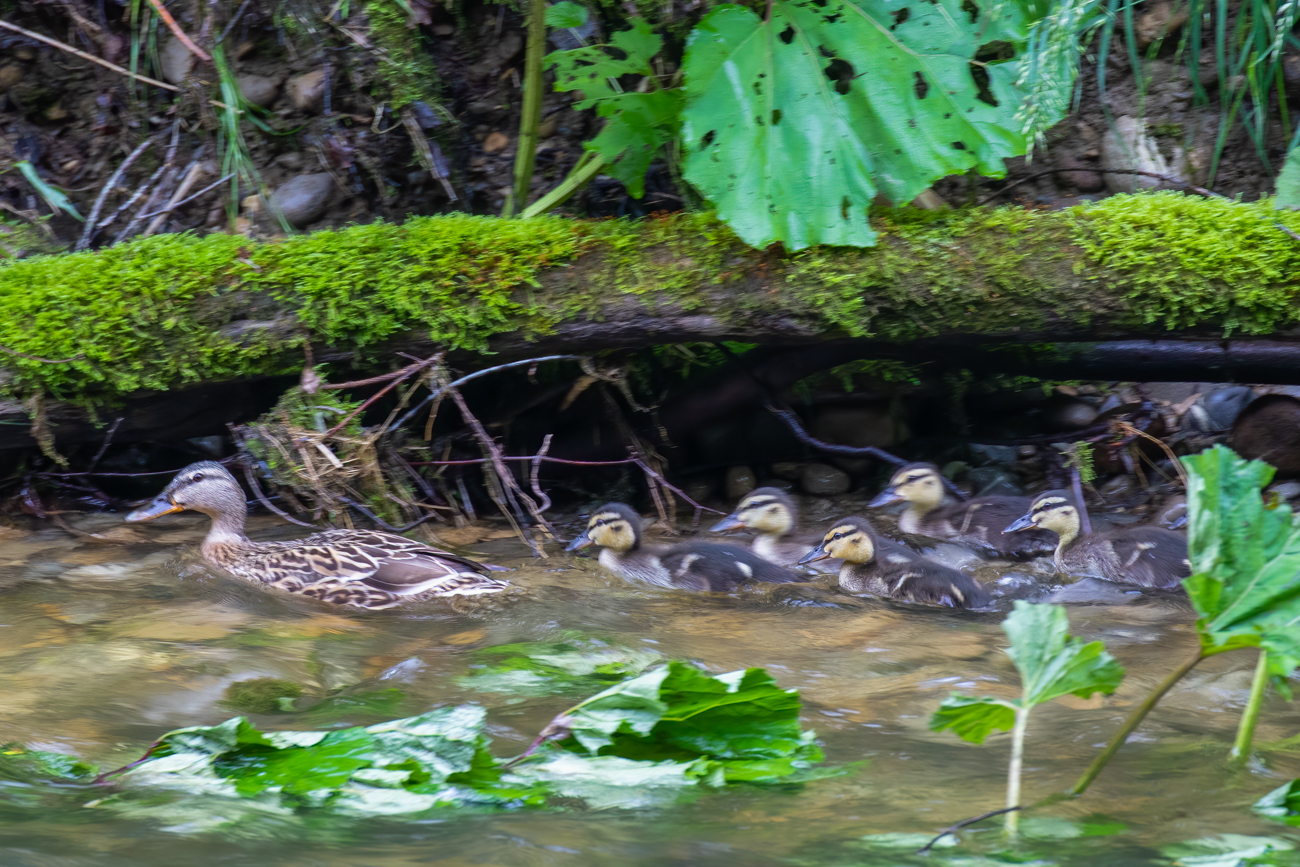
581	542
163	505
887	497
730	522
1024	522
813	556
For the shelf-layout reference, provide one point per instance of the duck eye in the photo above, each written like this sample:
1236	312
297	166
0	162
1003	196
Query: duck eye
197	477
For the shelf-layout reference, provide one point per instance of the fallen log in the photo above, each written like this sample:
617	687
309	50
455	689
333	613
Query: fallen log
1157	286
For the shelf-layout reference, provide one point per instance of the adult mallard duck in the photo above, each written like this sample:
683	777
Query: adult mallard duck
616	528
772	512
978	522
1143	555
873	564
363	568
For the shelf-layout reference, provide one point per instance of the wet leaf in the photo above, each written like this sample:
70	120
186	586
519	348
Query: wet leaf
1281	803
566	15
1051	662
22	765
638	123
1229	850
1245	556
793	124
548	668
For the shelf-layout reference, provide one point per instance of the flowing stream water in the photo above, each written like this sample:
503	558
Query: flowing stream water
107	643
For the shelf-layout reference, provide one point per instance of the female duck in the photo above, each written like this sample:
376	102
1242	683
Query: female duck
873	564
689	565
773	514
1144	555
979	522
364	568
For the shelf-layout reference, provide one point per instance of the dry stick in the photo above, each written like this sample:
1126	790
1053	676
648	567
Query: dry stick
192	173
424	152
261	498
1134	720
433	359
63	46
510	487
178	32
162	175
381	522
168	176
383	377
475	375
1130	430
544	501
234	19
89	231
185	201
957	826
546	458
1166	178
108	438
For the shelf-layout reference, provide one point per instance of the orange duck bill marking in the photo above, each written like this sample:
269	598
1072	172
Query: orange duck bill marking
161	506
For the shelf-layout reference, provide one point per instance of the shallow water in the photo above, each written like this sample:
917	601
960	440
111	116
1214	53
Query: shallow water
107	643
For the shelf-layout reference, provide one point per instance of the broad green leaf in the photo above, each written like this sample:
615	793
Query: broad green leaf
546	668
973	719
566	15
1245	556
1228	850
638	123
1288	182
22	765
1052	663
1281	803
793	125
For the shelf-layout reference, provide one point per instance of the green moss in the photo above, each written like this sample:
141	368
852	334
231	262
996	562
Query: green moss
406	71
163	311
262	695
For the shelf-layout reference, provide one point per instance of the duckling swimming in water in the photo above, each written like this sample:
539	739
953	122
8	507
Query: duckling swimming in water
1142	555
364	568
772	512
616	528
979	522
873	564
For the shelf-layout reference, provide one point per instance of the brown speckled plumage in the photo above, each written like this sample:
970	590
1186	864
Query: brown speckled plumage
361	568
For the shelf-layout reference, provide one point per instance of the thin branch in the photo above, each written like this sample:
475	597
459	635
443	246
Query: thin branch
108	438
957	826
234	19
475	375
1159	177
178	32
63	46
89	231
381	522
261	498
414	368
190	198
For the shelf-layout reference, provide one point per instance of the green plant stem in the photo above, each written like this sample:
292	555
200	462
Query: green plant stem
1134	720
587	167
530	119
1250	716
1013	770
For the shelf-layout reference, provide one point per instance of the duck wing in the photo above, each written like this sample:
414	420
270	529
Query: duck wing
710	566
1148	557
909	575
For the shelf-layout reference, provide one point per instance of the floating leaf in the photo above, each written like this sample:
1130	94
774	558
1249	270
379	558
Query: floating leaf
638	123
1245	556
792	125
547	668
21	765
1229	850
1281	803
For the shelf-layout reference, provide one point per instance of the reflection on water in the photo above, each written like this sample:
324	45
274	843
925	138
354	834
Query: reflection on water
105	644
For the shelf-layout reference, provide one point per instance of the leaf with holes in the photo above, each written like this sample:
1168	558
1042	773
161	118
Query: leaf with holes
638	123
792	126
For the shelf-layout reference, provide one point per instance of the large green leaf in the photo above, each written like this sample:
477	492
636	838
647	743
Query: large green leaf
793	125
545	668
638	123
1245	556
1281	803
1052	663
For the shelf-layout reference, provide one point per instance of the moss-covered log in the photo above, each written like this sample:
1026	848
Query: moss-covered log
97	329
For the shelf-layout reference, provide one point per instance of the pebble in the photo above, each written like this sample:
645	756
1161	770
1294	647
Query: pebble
307	91
494	142
293	161
739	481
788	470
10	75
302	200
699	489
1218	409
994	481
1286	490
176	60
258	89
823	480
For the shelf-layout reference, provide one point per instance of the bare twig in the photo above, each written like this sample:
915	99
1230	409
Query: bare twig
234	19
178	32
952	829
185	201
63	46
405	372
1128	429
188	178
381	522
88	233
544	502
475	375
108	439
256	488
424	151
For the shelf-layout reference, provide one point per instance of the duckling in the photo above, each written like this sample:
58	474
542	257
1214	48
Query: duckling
979	522
1142	554
362	568
772	512
873	564
689	565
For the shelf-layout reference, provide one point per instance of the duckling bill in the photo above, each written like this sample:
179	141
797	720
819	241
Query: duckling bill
1142	555
616	528
875	565
361	568
772	512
